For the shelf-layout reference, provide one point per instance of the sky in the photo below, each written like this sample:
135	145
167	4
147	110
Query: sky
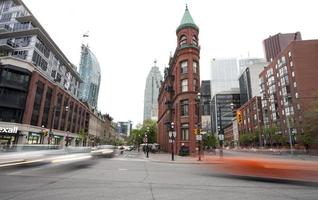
128	35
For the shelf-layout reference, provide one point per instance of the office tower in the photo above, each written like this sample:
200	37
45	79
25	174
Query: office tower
90	74
151	93
224	75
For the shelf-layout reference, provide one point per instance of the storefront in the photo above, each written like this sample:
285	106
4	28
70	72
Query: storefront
78	142
57	140
35	138
9	137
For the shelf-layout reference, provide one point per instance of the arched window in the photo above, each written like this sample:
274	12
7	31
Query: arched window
195	40
183	40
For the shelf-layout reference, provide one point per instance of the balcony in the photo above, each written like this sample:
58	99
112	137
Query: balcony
6	45
4	28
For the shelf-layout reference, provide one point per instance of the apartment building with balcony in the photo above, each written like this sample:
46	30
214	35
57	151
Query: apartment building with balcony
288	86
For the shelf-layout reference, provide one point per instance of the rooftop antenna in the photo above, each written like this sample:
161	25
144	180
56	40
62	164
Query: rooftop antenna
295	36
85	35
155	62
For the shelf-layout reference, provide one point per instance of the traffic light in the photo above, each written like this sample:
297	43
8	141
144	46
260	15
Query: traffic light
45	133
195	131
239	117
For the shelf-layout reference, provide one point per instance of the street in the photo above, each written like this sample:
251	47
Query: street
132	176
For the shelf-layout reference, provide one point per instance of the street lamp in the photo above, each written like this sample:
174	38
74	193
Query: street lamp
172	136
199	136
146	141
67	139
221	134
43	134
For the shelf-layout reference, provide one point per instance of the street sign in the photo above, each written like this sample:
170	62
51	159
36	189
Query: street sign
221	137
145	140
199	137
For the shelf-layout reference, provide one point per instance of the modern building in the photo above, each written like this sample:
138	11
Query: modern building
124	128
224	75
151	93
39	86
91	75
249	81
222	109
250	62
178	91
205	105
277	43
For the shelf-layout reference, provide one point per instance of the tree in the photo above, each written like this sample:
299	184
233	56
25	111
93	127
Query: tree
137	135
280	139
246	139
269	132
210	140
310	126
151	132
83	136
306	139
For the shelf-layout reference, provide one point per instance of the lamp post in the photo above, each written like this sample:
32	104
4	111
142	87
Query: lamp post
172	136
146	141
199	136
221	134
67	139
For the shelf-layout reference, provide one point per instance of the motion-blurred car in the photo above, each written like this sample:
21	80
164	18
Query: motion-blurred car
103	151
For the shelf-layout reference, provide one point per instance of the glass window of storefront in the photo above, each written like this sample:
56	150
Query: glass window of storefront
34	138
37	103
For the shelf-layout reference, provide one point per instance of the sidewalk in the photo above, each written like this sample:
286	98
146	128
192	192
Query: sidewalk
166	158
277	153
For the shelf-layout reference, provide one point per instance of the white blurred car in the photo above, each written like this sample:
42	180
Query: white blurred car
103	151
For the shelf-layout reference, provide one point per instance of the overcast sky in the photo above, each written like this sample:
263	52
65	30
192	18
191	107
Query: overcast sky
127	35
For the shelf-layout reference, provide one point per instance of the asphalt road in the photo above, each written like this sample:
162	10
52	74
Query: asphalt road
134	177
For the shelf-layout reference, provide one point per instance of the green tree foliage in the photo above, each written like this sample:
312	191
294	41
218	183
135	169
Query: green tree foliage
280	139
137	135
310	125
246	139
83	136
269	132
209	140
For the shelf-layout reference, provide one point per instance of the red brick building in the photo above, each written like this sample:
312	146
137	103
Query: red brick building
277	43
43	100
251	116
178	91
289	86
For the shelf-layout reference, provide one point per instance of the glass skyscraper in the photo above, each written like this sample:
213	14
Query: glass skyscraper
90	74
151	93
224	77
